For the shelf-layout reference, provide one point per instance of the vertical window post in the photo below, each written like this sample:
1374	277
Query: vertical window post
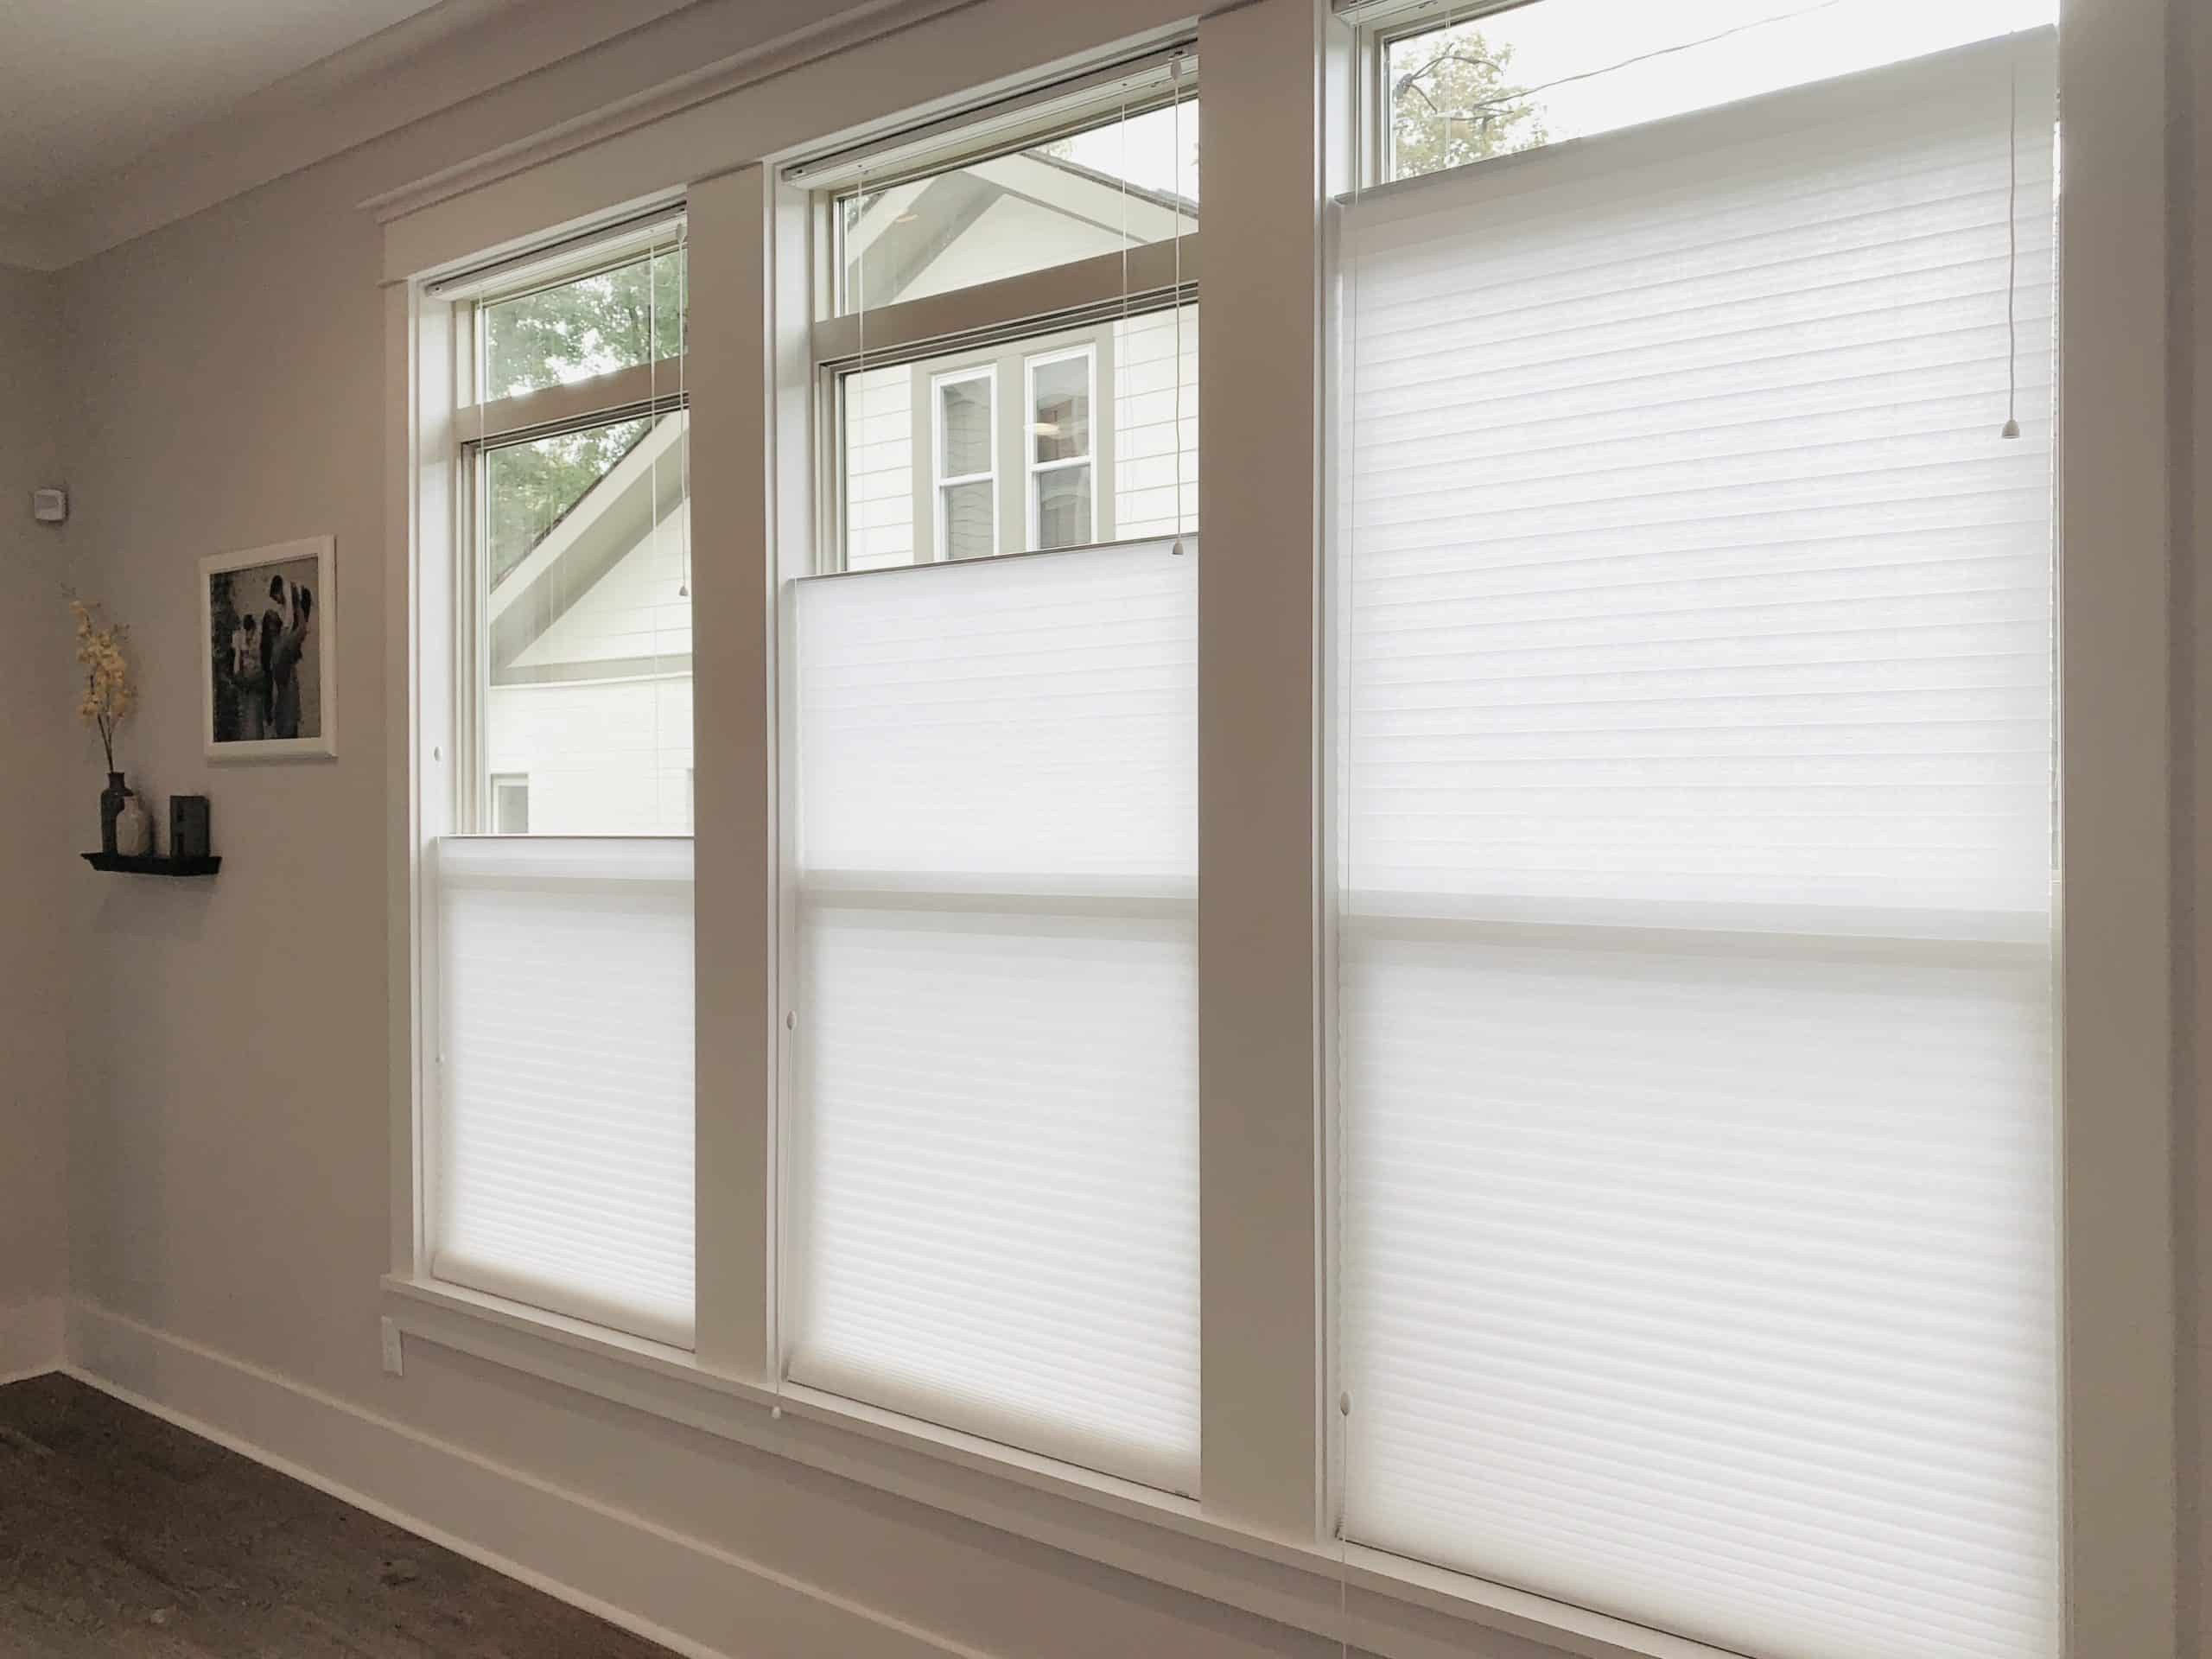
1260	1137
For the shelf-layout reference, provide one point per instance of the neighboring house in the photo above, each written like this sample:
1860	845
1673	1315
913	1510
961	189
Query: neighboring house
588	721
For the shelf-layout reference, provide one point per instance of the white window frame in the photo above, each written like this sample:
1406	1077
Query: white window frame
1258	1540
1035	469
940	512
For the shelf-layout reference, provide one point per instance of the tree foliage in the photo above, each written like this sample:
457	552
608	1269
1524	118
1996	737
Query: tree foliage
592	326
1453	100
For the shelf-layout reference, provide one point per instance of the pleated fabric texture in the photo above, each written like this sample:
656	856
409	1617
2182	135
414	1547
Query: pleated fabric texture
1696	783
562	1175
992	1174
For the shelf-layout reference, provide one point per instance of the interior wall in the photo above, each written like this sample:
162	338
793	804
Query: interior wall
48	761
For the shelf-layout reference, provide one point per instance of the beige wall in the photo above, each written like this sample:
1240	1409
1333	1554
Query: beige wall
49	766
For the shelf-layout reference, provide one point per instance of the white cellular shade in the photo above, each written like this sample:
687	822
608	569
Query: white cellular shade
563	1169
1698	1235
993	1177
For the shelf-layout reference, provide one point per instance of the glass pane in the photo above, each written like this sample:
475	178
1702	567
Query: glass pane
1059	422
1063	507
1120	183
530	487
586	614
591	325
965	429
1557	69
1154	397
969	511
879	468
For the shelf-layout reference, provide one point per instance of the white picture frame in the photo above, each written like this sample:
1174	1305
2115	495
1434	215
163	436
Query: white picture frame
268	652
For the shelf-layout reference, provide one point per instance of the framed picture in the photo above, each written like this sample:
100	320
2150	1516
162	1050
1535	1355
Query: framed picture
267	618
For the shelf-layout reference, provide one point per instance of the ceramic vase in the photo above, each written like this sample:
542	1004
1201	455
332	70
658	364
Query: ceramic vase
112	800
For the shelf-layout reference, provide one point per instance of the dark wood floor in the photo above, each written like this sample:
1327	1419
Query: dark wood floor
122	1535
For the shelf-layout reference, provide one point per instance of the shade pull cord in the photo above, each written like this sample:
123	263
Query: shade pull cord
2011	427
1344	1543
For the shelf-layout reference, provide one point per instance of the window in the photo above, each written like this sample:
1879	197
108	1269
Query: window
1530	72
965	448
964	425
1698	1246
992	1184
510	803
1060	469
562	1136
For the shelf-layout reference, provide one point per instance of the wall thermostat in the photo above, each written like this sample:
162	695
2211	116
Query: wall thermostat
49	506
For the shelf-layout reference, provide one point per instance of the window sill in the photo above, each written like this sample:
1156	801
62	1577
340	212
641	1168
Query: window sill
1394	1607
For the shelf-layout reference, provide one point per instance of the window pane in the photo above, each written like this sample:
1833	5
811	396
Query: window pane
1111	186
878	470
1550	70
592	325
1697	1244
587	684
1143	479
1063	507
1059	422
1154	396
994	1152
965	429
970	514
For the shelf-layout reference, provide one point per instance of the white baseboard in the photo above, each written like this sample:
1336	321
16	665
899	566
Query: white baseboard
705	1602
34	1338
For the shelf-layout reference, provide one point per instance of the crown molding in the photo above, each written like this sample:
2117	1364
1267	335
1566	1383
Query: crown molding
433	62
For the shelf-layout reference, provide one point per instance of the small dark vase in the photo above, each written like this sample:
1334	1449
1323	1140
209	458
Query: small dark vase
112	800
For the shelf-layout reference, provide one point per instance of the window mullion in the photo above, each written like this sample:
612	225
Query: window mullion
1258	842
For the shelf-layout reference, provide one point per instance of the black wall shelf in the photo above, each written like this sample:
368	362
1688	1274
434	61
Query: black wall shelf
150	866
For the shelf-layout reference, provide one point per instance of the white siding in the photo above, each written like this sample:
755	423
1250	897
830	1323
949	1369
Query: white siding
1153	428
603	756
879	468
637	610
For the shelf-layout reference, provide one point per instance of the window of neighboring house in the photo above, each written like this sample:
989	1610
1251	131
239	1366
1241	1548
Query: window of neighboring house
1524	74
1060	469
560	1135
965	442
510	803
929	335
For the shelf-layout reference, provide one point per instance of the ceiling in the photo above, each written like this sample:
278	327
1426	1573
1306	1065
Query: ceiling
87	86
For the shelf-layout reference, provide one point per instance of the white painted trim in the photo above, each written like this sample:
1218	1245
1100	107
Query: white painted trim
33	1340
708	1603
1399	1609
2116	1059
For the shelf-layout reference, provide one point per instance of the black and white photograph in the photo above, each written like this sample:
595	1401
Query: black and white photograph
271	685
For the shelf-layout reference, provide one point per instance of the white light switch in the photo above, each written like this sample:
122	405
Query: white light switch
391	1356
